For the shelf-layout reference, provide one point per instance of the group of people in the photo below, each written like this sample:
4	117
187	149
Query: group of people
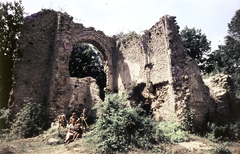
76	126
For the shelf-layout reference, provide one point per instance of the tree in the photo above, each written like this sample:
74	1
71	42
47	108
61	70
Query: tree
196	45
11	20
86	61
234	26
226	58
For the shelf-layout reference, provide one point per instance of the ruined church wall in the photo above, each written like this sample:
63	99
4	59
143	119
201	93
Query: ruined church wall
154	62
130	66
42	70
158	53
32	69
190	92
163	104
68	35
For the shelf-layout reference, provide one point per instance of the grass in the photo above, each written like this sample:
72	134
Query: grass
39	145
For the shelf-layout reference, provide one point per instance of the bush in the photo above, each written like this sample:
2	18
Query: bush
28	122
171	131
235	130
119	127
216	133
221	149
225	132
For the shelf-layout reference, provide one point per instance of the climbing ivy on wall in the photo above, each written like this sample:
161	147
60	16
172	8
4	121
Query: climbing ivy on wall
11	19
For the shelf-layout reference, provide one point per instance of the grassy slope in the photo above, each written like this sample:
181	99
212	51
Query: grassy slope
39	145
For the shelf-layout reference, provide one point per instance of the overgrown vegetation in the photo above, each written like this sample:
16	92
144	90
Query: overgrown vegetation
28	122
221	149
122	37
227	132
189	121
120	127
171	132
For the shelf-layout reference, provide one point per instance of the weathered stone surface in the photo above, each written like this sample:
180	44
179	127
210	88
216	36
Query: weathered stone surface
172	79
53	141
152	68
32	70
221	90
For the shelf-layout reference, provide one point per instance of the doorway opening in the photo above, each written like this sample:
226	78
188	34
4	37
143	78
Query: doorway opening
86	60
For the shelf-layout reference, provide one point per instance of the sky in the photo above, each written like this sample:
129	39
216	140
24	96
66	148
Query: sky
115	16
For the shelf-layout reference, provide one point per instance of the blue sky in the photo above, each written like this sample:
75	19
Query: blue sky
115	16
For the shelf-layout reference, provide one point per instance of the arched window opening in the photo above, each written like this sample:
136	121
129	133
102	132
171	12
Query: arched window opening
86	60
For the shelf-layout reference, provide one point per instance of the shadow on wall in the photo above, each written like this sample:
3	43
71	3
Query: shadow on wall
126	80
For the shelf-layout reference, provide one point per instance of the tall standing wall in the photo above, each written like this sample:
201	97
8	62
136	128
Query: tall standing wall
171	80
32	70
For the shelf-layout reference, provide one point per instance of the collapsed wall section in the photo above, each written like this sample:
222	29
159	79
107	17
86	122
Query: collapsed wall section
155	68
144	70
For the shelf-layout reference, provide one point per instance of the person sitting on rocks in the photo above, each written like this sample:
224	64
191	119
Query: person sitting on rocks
71	133
74	116
62	121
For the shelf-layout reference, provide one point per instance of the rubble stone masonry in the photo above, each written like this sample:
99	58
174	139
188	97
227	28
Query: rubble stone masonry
170	81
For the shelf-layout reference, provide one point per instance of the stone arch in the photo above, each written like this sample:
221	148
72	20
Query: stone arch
69	34
103	43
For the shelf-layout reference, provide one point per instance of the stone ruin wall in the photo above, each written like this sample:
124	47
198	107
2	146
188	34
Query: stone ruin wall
173	83
145	60
32	70
170	80
190	92
69	34
41	72
224	97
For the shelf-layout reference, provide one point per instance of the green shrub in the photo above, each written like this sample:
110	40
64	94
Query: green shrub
221	149
226	132
119	127
235	130
29	121
189	122
216	133
171	131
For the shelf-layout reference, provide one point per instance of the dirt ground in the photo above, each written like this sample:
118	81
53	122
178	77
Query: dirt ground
40	145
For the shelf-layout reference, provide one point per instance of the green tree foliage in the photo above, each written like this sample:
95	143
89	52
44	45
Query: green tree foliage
196	45
226	58
11	19
234	26
119	127
86	61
